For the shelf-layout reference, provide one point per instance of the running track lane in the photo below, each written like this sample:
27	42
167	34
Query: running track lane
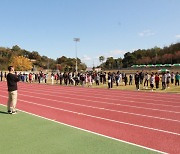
122	99
155	123
149	138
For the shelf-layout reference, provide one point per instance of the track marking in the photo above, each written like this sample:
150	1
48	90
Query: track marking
130	92
91	131
96	101
132	106
117	105
77	88
101	108
101	118
107	98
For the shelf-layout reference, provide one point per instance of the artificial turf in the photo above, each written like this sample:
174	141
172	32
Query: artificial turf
27	134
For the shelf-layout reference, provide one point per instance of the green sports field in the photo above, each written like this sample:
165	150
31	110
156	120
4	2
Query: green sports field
25	133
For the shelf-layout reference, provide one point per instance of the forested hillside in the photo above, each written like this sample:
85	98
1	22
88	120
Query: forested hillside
156	55
38	62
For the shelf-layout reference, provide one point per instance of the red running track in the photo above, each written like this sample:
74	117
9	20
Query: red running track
148	119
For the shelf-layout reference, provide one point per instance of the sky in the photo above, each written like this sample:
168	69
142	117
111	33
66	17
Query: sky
105	27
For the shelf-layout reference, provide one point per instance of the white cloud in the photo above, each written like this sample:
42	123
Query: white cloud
94	60
177	36
146	33
86	58
115	53
96	57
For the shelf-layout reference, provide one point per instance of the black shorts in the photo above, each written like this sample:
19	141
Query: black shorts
152	85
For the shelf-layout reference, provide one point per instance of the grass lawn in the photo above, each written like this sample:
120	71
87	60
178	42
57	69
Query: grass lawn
28	134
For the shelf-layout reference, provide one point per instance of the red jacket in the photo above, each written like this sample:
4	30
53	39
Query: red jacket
156	78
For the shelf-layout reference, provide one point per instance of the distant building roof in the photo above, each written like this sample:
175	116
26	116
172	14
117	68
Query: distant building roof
89	69
33	60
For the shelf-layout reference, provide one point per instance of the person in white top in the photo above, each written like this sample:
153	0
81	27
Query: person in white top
89	80
168	79
152	81
52	78
172	77
164	79
146	77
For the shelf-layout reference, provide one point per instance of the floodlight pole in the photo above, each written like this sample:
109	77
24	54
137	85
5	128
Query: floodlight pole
48	64
76	40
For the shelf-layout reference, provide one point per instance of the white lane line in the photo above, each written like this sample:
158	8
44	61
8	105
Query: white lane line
55	95
131	106
100	108
91	132
101	118
118	105
119	92
108	98
100	94
104	98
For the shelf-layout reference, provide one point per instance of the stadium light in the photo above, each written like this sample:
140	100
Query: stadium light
76	40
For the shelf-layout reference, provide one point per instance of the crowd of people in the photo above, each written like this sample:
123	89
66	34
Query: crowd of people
154	79
141	79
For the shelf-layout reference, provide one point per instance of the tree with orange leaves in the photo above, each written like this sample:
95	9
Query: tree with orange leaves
21	63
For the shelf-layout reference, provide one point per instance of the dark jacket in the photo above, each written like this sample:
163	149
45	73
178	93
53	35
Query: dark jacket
137	78
12	80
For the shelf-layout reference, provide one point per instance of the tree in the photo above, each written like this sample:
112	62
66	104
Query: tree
101	59
62	59
21	63
110	62
177	57
16	48
68	64
167	58
129	59
82	66
34	55
118	63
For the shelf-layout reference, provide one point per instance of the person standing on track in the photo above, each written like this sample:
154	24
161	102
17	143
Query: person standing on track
141	77
168	79
137	80
130	79
5	76
110	80
1	75
172	77
125	79
157	80
12	80
30	77
163	79
177	78
146	77
152	81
